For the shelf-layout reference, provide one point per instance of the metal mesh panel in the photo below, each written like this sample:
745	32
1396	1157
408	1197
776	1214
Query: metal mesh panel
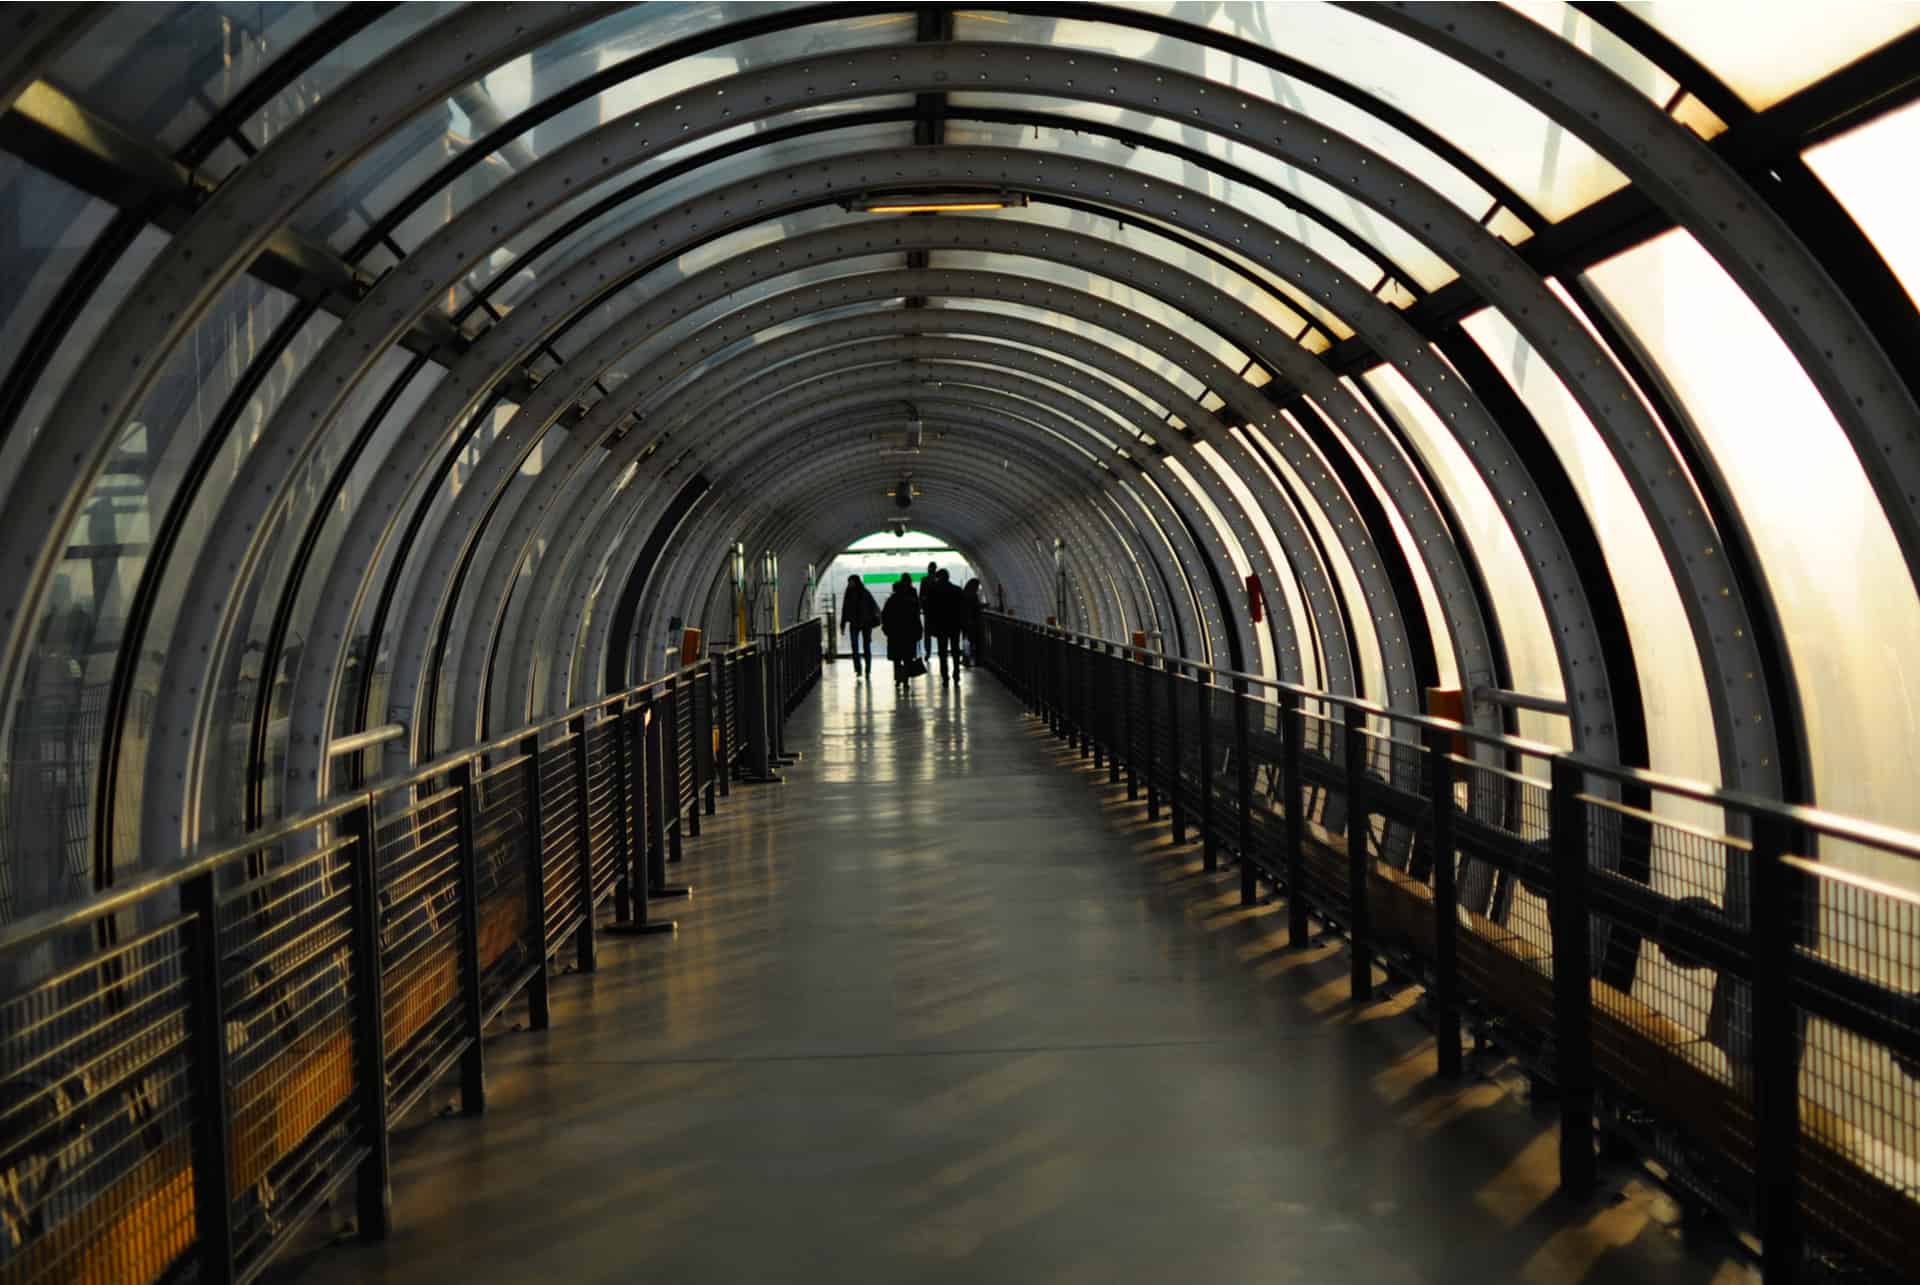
288	987
560	838
603	821
96	1182
417	855
502	850
1859	1099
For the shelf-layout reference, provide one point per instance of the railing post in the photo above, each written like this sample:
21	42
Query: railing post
1117	726
701	747
1131	740
1443	997
1572	986
671	766
473	1067
1150	706
1775	1069
373	1184
538	1013
759	744
1360	919
1293	785
1243	792
207	1034
1176	806
585	956
707	734
633	918
1097	726
723	702
1203	713
659	731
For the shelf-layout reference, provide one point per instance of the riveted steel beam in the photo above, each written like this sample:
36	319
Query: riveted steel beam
32	38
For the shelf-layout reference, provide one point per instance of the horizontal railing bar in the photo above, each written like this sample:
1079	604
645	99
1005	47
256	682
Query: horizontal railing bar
365	740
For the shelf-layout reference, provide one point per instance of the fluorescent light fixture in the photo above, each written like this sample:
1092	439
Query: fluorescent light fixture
936	203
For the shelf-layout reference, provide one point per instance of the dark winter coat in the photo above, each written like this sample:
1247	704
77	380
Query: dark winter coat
945	607
858	610
901	621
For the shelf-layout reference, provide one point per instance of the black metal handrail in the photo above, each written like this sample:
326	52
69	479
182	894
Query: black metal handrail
195	1060
1664	953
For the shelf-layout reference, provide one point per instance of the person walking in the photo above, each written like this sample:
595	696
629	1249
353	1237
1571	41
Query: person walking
944	609
859	615
970	619
926	587
900	621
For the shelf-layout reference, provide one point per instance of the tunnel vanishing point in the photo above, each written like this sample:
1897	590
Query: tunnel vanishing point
1445	480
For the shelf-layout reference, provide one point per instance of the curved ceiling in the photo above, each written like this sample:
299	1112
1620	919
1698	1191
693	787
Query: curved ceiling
420	363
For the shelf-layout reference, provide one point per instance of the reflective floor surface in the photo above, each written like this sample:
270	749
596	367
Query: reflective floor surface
946	1008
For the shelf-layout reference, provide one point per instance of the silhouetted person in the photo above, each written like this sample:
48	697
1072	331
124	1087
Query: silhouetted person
926	583
900	621
859	614
945	610
970	607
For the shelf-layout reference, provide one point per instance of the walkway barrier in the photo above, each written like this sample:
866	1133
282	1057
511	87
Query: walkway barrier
193	1062
1665	957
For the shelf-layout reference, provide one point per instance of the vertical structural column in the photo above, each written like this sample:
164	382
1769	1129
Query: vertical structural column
1775	1067
1572	985
1359	914
1443	998
373	1185
585	955
538	1015
473	1075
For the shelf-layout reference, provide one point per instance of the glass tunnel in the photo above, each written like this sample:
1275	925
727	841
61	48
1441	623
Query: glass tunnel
380	380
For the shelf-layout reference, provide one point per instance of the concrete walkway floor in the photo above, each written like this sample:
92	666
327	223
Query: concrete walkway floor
945	1008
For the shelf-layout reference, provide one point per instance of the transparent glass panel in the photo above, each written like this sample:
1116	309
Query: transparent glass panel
1766	52
445	490
1154	361
509	258
1411	257
1553	170
1673	686
118	283
248	666
1241	281
1871	170
160	71
1845	595
1517	613
1105	288
403	162
48	228
1447	672
176	577
58	735
1590	38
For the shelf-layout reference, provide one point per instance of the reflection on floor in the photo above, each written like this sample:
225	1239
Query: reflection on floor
946	1009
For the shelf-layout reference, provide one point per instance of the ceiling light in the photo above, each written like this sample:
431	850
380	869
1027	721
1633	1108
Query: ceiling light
936	202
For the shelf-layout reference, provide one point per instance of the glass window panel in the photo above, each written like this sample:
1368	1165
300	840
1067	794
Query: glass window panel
1550	168
57	739
1410	256
1116	292
1238	279
508	258
1262	531
1447	672
245	664
160	71
1152	360
1673	687
1871	170
1766	51
1594	40
403	162
48	229
446	489
1843	590
1256	204
1515	608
